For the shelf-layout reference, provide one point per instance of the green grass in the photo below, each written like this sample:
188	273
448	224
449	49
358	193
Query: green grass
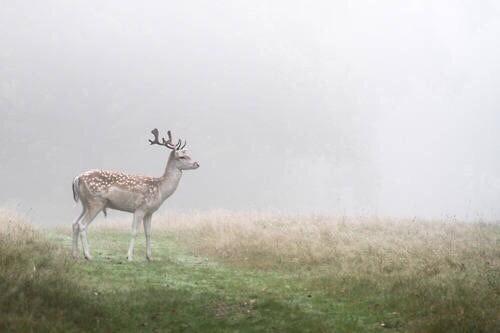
183	290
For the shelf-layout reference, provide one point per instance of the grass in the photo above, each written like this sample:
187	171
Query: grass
250	272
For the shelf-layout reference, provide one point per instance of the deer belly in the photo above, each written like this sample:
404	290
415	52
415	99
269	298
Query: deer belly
121	199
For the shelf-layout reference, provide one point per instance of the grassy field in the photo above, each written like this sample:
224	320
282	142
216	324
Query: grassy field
249	272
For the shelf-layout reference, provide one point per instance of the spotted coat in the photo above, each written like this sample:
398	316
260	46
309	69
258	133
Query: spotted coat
100	182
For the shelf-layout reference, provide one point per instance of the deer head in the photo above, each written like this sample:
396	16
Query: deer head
179	155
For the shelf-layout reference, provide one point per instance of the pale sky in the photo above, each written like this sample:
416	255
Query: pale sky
387	108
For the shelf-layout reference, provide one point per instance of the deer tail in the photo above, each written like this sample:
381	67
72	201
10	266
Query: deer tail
76	188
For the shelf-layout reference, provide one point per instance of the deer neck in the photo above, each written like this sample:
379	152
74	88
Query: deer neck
170	179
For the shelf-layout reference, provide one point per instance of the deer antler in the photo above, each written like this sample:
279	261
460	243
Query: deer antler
155	141
179	145
167	143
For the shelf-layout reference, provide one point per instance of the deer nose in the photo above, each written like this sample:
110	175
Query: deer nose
196	164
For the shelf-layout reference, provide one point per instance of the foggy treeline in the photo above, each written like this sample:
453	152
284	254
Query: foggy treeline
385	108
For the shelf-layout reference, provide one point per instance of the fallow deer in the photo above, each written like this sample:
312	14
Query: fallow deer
140	195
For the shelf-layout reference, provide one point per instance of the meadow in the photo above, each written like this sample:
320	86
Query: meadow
252	272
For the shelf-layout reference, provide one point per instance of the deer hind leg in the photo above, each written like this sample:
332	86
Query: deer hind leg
76	232
91	212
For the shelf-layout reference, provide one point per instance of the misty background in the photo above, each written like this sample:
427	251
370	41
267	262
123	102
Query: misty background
387	108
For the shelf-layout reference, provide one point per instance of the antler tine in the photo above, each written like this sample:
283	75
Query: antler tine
184	145
178	145
168	144
155	140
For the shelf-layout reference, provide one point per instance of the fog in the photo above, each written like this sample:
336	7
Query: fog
387	108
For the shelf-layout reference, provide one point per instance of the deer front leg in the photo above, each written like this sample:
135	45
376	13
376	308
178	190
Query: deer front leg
147	233
138	216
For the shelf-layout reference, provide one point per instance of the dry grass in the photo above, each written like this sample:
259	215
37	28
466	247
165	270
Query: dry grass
14	227
37	293
367	244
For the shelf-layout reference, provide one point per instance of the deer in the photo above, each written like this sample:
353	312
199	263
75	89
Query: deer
98	190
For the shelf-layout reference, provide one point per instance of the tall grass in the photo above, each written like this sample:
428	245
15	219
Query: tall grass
38	292
364	244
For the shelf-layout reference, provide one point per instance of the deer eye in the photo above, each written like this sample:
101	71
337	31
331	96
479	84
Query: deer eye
183	157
